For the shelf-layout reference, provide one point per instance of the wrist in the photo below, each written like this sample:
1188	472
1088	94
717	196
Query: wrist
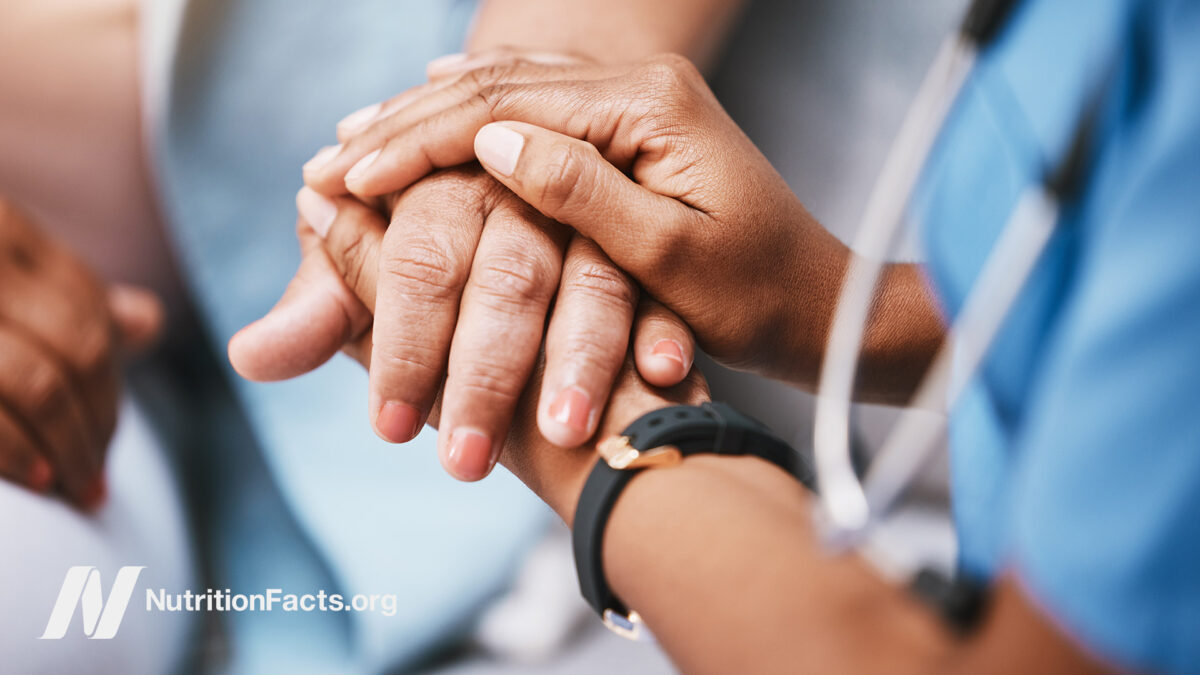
802	307
556	475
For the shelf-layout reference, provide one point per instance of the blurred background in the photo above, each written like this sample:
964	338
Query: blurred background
162	142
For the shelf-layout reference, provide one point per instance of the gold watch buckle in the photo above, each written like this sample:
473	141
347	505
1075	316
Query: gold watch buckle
620	454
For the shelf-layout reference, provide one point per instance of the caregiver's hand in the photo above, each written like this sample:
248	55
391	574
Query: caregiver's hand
61	333
461	284
706	225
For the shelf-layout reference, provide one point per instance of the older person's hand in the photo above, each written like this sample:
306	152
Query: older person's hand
335	292
61	333
461	284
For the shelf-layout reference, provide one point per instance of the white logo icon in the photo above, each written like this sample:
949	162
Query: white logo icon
82	587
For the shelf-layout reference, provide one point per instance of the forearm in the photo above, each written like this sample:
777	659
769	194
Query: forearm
606	30
903	333
904	328
719	557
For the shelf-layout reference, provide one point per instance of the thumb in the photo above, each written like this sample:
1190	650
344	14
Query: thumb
570	181
138	315
315	318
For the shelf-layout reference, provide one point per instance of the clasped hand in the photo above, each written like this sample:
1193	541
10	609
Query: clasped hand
615	197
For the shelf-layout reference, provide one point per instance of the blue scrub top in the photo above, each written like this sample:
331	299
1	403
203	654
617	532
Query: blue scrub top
1076	452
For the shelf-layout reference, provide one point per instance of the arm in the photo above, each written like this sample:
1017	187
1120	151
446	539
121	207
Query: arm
600	29
735	581
719	555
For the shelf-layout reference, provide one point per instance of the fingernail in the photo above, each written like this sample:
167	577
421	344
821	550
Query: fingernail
41	475
361	167
316	209
436	66
572	409
94	494
323	157
499	148
669	349
359	119
398	422
470	456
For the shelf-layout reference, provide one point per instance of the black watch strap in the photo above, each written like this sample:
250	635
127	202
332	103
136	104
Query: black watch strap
661	437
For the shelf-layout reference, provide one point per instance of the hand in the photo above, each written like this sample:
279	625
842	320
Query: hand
461	285
61	332
705	225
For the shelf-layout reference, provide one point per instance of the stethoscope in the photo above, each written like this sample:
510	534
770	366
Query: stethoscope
849	507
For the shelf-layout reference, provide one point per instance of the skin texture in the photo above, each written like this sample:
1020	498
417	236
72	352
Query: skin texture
735	580
62	333
696	187
471	270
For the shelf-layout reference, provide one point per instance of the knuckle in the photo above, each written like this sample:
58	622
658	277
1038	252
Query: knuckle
566	178
492	96
422	268
673	71
488	75
415	361
46	392
352	257
496	380
602	284
516	278
590	349
465	189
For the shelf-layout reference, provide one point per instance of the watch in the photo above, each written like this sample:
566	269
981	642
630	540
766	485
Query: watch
661	438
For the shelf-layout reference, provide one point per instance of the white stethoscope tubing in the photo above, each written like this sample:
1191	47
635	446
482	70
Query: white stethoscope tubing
848	505
843	499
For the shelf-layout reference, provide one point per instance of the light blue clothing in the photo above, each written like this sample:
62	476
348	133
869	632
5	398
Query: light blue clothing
1076	455
256	86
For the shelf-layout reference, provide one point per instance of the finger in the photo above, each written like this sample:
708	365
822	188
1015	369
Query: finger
351	234
314	318
35	387
351	238
586	344
444	71
424	262
138	315
457	64
412	146
329	171
21	460
362	119
664	347
513	279
568	180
